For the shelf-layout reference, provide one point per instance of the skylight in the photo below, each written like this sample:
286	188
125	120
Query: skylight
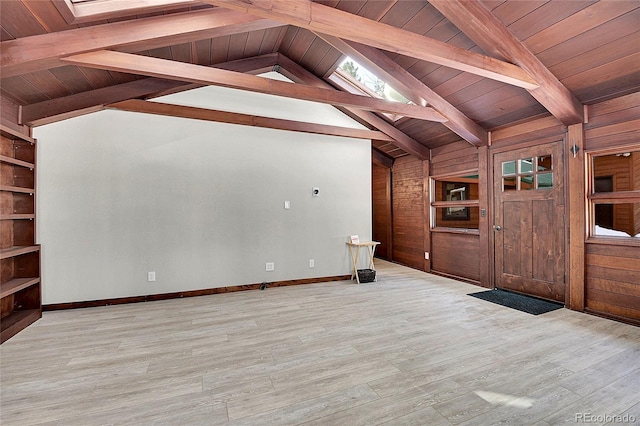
352	77
83	11
369	80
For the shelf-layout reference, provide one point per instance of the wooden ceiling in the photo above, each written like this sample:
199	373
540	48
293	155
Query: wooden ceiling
469	67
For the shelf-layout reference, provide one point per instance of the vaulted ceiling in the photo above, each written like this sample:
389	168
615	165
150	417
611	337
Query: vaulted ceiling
469	67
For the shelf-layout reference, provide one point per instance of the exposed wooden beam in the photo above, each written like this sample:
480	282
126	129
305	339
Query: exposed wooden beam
53	110
381	159
328	20
157	108
162	68
39	52
300	75
410	87
481	26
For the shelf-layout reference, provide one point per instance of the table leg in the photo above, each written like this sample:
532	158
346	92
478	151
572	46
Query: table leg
355	263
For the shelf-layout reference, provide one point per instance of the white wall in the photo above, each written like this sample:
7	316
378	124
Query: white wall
201	204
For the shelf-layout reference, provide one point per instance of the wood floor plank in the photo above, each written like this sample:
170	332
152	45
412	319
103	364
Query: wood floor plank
411	348
529	409
602	374
317	408
384	409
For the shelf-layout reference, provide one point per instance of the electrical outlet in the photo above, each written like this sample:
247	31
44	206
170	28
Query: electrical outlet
426	255
270	266
151	276
312	263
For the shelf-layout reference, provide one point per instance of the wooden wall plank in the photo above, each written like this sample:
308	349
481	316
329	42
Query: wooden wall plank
382	219
456	254
531	126
408	212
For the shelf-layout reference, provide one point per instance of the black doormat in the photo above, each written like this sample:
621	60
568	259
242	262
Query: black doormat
530	305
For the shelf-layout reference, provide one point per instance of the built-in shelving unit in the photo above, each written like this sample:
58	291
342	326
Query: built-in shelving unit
20	292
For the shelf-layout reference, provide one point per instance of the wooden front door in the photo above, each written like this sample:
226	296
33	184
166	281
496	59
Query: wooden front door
529	221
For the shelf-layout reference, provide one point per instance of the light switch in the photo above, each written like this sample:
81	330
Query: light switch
287	205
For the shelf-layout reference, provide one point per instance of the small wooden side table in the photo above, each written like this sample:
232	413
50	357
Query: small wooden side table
355	247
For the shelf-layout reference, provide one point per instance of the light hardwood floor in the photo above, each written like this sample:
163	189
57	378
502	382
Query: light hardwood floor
412	348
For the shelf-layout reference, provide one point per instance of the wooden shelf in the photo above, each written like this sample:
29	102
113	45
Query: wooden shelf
16	162
20	284
17	189
16	285
17	216
16	321
17	251
10	133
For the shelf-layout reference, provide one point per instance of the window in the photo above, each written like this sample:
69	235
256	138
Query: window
455	203
82	11
354	78
528	173
614	195
455	191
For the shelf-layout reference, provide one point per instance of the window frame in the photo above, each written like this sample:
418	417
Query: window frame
436	206
615	197
96	10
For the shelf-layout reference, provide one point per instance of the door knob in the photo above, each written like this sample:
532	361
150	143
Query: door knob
497	227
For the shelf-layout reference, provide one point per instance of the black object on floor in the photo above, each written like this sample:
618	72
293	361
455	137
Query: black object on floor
530	305
366	275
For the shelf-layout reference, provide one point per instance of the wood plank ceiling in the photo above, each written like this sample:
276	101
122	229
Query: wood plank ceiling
480	65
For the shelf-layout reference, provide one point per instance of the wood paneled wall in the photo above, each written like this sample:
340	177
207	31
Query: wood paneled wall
614	123
612	276
456	255
453	158
381	196
408	212
613	281
535	132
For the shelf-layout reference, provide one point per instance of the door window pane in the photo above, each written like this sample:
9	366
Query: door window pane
545	163
525	165
508	168
545	181
527	174
526	182
509	184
